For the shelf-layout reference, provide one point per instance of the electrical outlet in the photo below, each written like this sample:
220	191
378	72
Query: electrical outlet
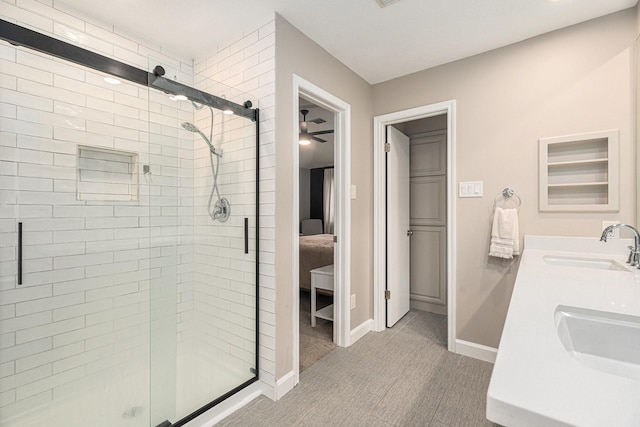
353	301
612	234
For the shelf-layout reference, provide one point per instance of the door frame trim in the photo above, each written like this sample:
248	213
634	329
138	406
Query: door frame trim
342	249
380	214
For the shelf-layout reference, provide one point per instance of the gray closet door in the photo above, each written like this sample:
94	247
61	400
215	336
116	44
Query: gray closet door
428	264
428	221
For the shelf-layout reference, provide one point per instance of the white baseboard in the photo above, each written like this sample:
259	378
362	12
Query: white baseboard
426	306
477	351
284	385
227	407
360	331
268	390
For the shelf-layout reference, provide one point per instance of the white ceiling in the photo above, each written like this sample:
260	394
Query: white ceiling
377	43
317	154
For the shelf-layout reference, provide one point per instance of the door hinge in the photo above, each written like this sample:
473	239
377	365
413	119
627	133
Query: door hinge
387	147
335	239
387	294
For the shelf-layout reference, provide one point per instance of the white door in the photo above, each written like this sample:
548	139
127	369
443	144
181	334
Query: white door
398	232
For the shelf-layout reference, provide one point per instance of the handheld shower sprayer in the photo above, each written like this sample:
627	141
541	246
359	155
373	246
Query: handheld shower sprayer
193	128
222	208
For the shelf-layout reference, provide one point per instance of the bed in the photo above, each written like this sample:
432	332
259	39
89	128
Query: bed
315	251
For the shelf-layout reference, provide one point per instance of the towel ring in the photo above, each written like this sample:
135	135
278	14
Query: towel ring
507	194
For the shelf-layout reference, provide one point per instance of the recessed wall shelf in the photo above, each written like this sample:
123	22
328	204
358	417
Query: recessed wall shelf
578	162
579	173
106	174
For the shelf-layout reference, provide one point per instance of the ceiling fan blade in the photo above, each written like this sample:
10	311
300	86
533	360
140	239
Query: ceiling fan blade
315	138
318	121
321	132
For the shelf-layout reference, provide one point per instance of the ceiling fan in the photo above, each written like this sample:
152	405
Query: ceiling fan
305	136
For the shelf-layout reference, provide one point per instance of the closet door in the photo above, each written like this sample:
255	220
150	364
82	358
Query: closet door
428	201
428	222
428	264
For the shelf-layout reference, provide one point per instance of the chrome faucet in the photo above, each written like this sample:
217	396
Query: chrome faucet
634	254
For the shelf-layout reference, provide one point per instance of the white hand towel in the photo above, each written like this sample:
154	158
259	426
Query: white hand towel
505	239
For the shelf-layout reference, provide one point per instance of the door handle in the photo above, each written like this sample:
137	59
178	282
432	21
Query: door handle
246	235
19	253
409	232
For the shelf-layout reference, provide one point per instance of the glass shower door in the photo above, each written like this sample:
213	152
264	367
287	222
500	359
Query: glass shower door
74	311
202	229
126	297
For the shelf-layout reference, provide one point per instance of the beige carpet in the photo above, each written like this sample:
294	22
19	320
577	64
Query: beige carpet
315	343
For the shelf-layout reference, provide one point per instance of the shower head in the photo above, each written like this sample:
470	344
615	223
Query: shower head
193	128
190	127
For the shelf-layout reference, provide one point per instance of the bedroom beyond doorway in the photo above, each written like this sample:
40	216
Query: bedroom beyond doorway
317	206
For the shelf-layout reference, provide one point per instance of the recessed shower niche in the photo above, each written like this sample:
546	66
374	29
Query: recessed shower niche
106	174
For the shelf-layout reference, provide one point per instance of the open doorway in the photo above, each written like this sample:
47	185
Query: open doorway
416	204
317	207
306	93
423	217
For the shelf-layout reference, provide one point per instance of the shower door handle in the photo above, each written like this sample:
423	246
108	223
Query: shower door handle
19	253
246	235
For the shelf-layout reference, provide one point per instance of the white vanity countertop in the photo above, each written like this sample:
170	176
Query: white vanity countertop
535	380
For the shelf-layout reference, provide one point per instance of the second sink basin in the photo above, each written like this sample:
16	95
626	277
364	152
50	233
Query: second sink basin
608	342
585	262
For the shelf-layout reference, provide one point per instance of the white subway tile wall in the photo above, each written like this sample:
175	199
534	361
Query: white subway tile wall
81	318
224	277
246	64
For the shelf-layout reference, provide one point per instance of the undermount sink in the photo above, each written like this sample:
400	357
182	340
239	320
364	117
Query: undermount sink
608	342
585	262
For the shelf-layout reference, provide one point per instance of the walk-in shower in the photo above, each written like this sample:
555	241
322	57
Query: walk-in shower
122	303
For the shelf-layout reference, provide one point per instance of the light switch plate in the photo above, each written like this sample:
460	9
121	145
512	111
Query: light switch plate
354	194
470	189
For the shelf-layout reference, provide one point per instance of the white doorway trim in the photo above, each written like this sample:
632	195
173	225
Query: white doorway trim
342	249
379	209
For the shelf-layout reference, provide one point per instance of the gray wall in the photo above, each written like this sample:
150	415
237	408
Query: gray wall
424	125
296	53
574	80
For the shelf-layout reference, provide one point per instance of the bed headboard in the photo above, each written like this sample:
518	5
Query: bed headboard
311	226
